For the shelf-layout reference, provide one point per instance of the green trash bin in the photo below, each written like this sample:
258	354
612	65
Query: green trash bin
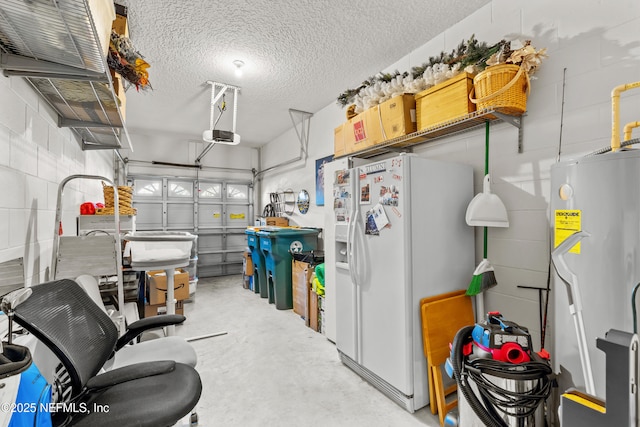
259	276
277	245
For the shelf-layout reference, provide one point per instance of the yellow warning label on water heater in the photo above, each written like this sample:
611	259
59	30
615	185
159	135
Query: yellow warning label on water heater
566	223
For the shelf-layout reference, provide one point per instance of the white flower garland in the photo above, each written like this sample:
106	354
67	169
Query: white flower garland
380	92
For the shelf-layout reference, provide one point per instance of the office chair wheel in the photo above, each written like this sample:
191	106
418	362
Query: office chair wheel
194	419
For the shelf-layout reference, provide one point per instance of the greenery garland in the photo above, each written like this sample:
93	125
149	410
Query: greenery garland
470	55
347	96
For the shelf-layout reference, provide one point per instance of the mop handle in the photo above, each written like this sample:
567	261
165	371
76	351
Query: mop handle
486	229
486	147
486	172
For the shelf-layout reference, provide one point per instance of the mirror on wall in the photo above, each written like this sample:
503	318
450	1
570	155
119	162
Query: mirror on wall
303	201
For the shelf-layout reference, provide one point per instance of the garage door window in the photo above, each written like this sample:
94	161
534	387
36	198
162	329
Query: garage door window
237	192
210	191
147	188
180	189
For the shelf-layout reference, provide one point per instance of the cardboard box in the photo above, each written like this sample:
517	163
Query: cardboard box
301	277
247	263
118	88
338	141
277	221
444	102
398	116
321	316
120	24
391	119
157	286
358	133
103	14
159	309
313	310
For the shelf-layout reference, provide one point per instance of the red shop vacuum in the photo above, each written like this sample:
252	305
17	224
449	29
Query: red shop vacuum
501	381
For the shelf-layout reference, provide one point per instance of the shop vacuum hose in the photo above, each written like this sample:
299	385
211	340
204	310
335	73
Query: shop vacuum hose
497	404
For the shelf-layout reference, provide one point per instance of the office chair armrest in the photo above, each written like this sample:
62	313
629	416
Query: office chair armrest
129	373
138	327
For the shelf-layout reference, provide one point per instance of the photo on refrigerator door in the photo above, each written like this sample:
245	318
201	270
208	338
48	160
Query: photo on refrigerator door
340	210
342	177
341	198
341	189
389	195
365	192
370	226
376	220
341	192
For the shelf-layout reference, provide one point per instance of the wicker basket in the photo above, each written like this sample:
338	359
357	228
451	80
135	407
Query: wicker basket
351	111
125	194
502	87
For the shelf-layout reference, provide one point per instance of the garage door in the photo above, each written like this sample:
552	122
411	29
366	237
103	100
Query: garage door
216	211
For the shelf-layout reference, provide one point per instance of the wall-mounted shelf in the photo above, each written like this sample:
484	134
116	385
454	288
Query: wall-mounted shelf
459	125
55	46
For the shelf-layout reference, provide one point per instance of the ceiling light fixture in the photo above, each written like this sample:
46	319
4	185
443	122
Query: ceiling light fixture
239	64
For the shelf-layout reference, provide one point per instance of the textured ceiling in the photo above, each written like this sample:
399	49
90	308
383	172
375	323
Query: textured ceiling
297	54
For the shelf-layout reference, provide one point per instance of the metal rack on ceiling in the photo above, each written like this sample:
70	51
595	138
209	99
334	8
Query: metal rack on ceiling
55	46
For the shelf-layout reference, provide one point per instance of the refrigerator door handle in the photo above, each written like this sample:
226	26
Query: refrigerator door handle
351	259
351	246
354	264
349	249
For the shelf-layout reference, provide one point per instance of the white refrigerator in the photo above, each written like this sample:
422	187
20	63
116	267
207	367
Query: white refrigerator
400	235
328	234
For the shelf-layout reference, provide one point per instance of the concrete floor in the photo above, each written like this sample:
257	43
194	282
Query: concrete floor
272	370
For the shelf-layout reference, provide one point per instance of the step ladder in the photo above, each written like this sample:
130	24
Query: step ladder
11	275
96	254
90	254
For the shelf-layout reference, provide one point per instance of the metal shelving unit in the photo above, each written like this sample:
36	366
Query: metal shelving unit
461	124
55	46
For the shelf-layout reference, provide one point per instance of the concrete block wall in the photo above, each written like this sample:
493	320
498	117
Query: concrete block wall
35	156
596	43
299	175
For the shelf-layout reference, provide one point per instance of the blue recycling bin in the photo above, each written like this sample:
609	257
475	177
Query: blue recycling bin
277	245
259	275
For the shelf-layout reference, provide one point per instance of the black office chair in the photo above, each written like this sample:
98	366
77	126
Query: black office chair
83	337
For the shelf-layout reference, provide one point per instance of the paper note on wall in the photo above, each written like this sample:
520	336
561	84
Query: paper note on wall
567	222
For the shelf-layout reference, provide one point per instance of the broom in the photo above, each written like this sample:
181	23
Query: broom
483	276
